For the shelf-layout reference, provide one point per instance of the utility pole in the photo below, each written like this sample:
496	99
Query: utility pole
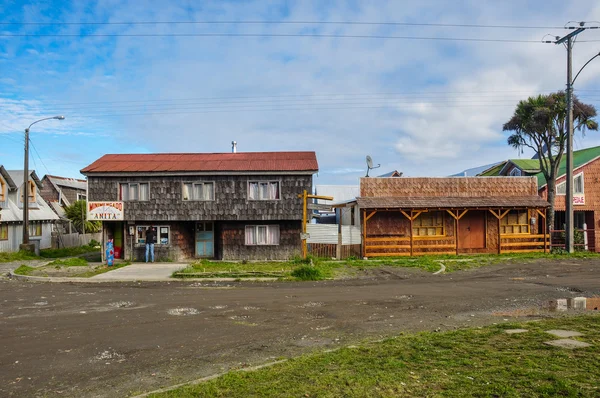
569	218
26	192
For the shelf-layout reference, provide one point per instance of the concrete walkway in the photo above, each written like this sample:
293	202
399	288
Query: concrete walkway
141	272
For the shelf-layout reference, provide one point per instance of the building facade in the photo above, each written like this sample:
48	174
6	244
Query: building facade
451	215
41	217
230	206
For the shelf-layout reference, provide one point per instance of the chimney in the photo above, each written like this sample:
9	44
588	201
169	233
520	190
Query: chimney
233	147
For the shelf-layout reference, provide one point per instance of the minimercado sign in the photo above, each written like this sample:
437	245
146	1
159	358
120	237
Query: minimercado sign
105	211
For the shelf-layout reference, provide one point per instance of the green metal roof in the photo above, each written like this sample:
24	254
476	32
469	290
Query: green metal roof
579	159
532	166
527	165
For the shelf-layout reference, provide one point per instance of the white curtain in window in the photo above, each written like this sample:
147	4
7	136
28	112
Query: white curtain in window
273	190
261	235
198	192
264	190
253	191
561	189
250	235
133	192
144	191
124	191
187	188
208	191
273	235
578	184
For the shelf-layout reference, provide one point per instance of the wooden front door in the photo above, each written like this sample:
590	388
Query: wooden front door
205	239
471	230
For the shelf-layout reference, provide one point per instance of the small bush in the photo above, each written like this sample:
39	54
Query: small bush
307	273
93	243
308	260
24	270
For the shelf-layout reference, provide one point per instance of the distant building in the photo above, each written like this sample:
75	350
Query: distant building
60	192
41	217
394	173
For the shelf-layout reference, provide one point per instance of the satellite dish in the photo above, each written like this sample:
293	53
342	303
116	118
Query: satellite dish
370	165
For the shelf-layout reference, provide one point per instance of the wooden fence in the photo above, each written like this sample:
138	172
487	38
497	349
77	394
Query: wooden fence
524	243
74	239
329	250
585	239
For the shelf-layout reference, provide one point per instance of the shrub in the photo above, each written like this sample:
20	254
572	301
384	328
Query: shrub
24	270
307	273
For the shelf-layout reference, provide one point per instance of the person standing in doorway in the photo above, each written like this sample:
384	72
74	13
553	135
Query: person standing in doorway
150	241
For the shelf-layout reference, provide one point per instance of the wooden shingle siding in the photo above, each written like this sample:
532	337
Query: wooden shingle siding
231	243
231	198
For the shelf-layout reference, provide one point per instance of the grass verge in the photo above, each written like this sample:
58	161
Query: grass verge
472	362
69	251
9	257
69	262
24	270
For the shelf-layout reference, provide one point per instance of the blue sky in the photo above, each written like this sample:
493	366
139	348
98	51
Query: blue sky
423	107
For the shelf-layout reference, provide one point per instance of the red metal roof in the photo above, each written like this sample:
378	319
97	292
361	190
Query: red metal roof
205	162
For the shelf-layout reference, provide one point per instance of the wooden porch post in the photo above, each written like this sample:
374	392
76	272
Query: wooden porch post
364	241
499	238
545	231
411	233
456	232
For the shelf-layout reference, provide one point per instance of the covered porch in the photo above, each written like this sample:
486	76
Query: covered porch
412	226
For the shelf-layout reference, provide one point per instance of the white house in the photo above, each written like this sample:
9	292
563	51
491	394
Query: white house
41	216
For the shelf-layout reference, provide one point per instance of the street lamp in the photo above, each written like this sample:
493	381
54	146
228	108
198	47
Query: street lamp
25	245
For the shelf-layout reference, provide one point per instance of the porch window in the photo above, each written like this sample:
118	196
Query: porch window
561	189
3	231
31	192
2	190
258	235
35	228
198	191
516	172
515	222
134	191
263	190
429	224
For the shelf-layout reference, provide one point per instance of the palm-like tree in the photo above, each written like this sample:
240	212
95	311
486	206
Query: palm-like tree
76	212
540	123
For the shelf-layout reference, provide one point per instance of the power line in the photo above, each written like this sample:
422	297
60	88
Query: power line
271	22
41	160
235	35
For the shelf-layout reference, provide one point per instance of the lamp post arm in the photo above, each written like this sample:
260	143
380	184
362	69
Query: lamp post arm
591	59
46	118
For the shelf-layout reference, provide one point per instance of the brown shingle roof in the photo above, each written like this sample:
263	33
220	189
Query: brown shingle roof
421	202
205	162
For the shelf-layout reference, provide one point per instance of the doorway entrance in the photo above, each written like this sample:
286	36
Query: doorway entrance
205	235
471	230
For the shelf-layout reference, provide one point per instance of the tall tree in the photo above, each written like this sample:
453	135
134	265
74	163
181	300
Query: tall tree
76	212
540	123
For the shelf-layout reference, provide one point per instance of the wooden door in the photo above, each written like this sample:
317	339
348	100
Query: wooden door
471	230
204	239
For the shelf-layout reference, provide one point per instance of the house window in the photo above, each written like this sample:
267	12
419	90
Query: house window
515	172
198	191
262	235
31	192
134	191
561	189
429	224
3	231
2	190
81	196
163	234
35	228
515	222
263	190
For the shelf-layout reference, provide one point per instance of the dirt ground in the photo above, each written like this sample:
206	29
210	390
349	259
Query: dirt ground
111	340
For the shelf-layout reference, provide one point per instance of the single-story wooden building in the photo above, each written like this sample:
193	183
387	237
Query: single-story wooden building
451	215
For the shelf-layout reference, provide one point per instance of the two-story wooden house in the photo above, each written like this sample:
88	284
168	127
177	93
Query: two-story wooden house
59	192
230	206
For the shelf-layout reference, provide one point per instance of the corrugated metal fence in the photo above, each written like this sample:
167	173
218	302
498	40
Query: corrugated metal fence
74	239
323	240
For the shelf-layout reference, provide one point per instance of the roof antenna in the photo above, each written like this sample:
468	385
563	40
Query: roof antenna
370	165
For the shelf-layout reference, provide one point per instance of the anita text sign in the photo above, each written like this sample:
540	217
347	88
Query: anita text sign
105	211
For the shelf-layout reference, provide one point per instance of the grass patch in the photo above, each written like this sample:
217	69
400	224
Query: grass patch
456	263
24	270
70	262
252	269
9	257
307	273
101	269
482	362
68	251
